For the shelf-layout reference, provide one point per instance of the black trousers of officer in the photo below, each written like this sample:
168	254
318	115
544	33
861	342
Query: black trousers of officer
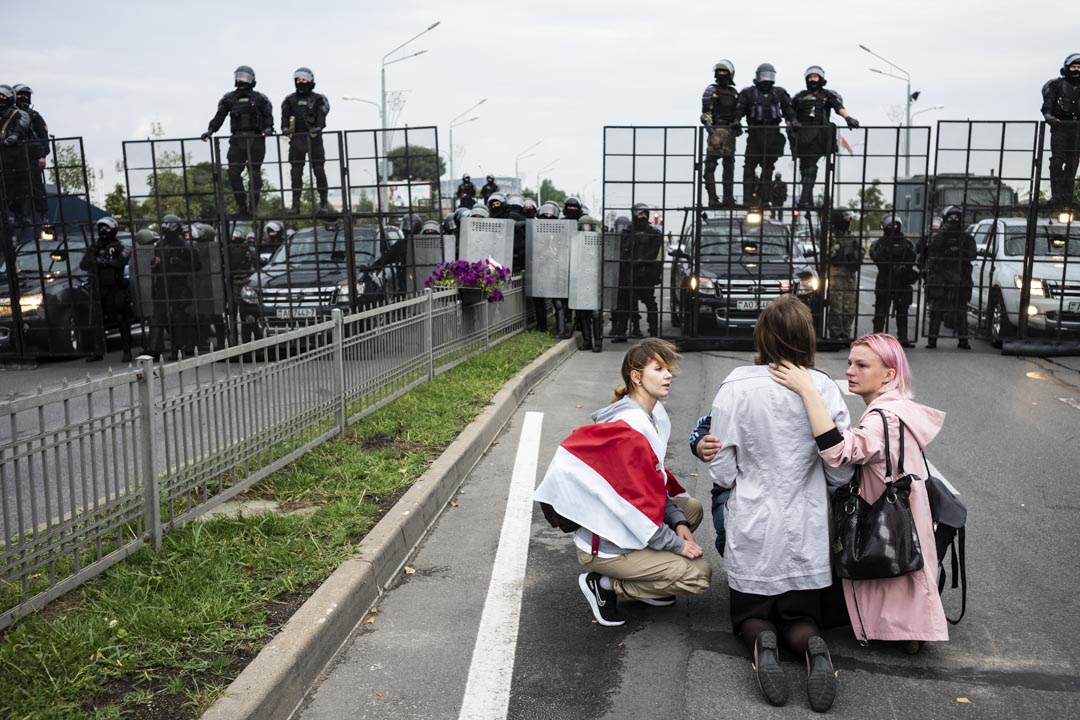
646	295
16	181
811	144
302	145
764	146
116	308
950	302
174	312
246	151
899	299
1064	160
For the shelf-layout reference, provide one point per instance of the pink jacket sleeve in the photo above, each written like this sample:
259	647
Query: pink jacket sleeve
862	444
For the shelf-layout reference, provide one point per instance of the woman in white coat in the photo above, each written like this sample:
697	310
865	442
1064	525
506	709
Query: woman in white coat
777	549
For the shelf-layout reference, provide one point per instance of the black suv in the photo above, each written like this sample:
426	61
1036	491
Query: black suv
729	269
309	276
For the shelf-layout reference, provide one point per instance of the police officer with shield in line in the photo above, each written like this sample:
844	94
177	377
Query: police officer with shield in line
845	255
720	116
38	149
894	255
172	270
251	120
14	130
590	322
816	136
946	259
764	105
105	261
303	119
1061	109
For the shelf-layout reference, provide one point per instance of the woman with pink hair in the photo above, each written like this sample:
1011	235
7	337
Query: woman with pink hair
905	609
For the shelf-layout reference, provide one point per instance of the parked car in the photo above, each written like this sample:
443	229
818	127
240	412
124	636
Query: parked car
998	270
730	269
309	276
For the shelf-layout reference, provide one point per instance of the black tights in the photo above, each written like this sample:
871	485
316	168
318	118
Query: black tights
796	635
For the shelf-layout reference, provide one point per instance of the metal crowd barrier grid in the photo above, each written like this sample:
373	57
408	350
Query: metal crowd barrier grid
89	473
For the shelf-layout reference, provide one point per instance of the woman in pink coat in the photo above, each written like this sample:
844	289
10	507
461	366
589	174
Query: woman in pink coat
908	608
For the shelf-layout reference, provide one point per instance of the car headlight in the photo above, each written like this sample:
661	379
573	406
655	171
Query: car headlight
249	294
704	284
1037	289
344	292
30	303
808	283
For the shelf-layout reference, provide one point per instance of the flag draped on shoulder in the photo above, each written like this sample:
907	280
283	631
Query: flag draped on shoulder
607	478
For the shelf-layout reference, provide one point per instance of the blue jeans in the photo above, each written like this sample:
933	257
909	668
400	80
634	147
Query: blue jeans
719	500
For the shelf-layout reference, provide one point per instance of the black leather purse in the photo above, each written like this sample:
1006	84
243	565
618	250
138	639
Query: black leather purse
878	540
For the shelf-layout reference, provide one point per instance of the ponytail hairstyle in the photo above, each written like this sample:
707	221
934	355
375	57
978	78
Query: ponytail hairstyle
638	358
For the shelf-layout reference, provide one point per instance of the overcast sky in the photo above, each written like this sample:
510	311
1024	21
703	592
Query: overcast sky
555	72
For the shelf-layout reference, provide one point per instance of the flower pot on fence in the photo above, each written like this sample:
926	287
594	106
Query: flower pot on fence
470	296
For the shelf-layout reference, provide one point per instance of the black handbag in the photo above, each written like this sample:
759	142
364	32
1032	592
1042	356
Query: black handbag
878	540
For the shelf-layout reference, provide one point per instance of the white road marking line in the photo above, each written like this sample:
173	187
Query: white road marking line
842	384
1071	402
487	692
937	473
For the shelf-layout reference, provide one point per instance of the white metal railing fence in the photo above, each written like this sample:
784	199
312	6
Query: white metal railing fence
89	473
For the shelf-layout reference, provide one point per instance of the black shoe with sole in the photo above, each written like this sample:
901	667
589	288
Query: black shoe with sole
963	344
820	676
931	343
603	602
770	675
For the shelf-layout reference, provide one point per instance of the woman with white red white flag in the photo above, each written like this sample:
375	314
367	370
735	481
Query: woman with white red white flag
636	536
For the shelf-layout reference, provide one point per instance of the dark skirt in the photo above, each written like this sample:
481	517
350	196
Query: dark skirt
783	610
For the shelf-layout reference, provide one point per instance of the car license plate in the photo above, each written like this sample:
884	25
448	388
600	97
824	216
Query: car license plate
747	304
1074	307
294	313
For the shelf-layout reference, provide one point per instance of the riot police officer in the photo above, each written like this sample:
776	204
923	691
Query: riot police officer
720	116
251	119
303	119
646	270
243	263
816	136
620	316
38	149
777	197
1061	109
764	105
946	260
14	130
894	256
496	205
173	268
466	192
274	236
489	187
572	209
105	261
550	211
528	208
589	321
845	256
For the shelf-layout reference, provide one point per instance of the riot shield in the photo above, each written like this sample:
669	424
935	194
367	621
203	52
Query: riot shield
483	238
547	257
586	271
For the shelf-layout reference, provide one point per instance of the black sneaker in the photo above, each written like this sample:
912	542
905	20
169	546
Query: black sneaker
931	343
658	602
603	602
820	676
770	676
963	344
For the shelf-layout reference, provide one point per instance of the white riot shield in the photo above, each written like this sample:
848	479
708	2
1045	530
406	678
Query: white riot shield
547	257
483	238
612	244
586	276
424	253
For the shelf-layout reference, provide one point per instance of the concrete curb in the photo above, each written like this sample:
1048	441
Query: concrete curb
274	684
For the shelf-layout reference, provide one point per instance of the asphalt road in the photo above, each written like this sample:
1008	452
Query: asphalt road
445	645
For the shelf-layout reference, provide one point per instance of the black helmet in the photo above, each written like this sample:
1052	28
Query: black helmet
107	226
725	65
889	220
1071	60
22	95
449	223
765	73
171	226
303	80
814	70
586	223
572	208
952	210
840	220
548	211
491	178
621	223
572	202
244	76
461	214
640	208
465	177
7	95
430	227
412	223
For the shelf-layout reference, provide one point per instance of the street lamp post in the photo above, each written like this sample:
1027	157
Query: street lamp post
382	92
539	174
521	156
908	99
454	123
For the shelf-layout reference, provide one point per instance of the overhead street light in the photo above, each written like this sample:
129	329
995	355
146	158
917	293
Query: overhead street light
539	173
909	97
382	75
454	122
521	156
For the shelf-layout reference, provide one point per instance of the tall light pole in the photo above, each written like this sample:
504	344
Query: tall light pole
539	173
908	99
382	72
454	123
522	155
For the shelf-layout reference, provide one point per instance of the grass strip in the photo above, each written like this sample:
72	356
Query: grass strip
163	633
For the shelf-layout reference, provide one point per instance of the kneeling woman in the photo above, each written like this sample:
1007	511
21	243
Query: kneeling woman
636	536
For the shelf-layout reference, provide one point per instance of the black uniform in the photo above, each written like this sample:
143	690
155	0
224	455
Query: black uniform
764	111
14	130
466	194
816	136
489	187
1061	102
173	290
947	259
720	115
639	253
301	116
105	262
251	119
777	198
37	150
895	258
243	263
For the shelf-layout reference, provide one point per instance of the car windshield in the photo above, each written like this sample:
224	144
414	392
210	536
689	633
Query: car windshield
740	241
321	245
34	260
1050	241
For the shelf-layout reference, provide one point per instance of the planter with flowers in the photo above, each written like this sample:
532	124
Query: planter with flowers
475	281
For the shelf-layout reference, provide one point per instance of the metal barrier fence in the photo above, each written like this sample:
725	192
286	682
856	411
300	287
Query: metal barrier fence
92	472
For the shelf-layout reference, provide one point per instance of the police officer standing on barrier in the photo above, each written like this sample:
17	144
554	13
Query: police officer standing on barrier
14	130
303	119
1061	109
720	116
816	136
105	261
764	105
489	187
38	149
466	192
845	255
895	258
251	120
173	291
946	260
